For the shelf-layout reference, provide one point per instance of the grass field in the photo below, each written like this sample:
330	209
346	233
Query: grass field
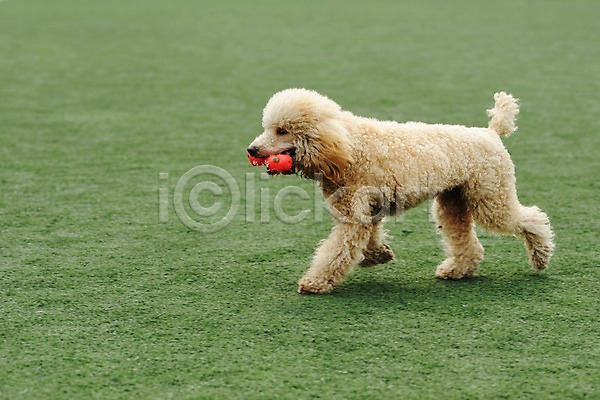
100	300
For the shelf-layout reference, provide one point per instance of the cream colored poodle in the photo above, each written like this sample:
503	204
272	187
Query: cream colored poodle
369	168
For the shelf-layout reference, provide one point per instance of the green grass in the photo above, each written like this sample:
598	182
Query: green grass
99	300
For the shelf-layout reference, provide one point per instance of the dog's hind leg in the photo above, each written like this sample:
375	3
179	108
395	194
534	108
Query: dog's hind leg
512	218
455	224
535	229
377	251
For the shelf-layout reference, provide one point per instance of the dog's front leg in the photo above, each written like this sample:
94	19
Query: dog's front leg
377	252
344	248
335	258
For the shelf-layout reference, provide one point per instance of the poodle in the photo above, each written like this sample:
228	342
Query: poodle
369	168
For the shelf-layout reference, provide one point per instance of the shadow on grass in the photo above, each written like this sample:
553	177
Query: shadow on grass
431	293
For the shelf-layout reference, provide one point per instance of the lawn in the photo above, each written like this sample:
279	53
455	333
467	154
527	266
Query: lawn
100	300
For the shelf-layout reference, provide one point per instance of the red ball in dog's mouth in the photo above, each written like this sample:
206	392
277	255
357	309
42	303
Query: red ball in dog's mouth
275	163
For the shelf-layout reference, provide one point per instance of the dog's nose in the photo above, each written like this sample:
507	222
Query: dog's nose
253	151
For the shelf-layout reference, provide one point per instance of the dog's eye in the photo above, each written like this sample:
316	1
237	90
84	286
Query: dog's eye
281	131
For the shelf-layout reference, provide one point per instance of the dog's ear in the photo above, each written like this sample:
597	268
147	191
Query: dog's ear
328	153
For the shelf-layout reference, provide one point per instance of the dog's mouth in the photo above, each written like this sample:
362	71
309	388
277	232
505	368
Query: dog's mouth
290	152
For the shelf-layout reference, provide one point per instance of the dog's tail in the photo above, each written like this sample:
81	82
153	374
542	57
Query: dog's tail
504	114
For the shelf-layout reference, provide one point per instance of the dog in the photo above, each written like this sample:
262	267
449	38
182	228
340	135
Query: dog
369	168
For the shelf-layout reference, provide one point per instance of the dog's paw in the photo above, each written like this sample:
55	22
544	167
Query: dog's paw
310	285
381	255
450	270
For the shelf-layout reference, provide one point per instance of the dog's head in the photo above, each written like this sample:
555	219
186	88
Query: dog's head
309	127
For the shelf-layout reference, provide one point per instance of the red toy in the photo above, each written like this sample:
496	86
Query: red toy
256	161
275	164
279	163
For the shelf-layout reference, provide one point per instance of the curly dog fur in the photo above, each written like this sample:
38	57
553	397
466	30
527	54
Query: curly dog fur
369	168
